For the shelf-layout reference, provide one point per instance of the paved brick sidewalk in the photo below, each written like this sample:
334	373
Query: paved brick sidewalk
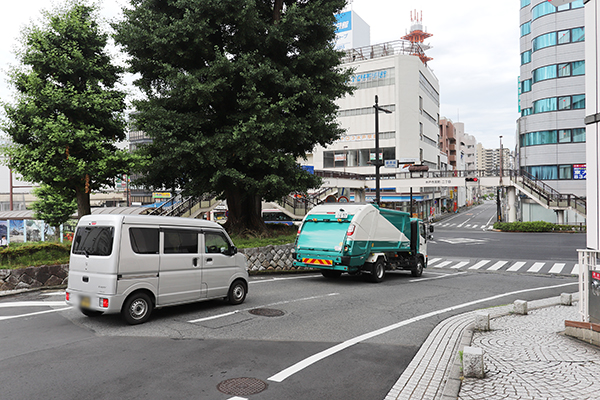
526	357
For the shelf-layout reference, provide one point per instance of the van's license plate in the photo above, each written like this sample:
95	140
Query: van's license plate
85	302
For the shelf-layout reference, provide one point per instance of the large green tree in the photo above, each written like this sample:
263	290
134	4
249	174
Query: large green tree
68	114
235	92
53	207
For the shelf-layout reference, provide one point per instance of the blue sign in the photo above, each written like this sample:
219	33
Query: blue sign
344	22
309	168
579	171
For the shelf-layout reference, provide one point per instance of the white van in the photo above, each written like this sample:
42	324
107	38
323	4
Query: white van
133	263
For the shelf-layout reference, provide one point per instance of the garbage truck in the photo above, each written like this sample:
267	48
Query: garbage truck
357	238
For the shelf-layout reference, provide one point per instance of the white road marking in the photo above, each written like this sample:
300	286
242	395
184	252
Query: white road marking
460	265
283	279
33	304
442	265
516	266
480	264
433	261
286	373
437	277
497	266
266	305
556	268
35	313
536	267
575	270
237	398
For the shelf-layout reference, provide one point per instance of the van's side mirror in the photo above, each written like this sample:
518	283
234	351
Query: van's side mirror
232	250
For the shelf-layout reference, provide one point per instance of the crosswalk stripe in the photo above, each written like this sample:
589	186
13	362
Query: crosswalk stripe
556	268
497	266
442	265
460	265
480	264
575	270
474	226
536	267
516	266
433	261
468	226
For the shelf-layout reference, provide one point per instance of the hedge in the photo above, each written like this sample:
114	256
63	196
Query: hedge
537	226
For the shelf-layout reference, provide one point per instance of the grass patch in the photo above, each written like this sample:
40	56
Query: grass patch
20	255
277	234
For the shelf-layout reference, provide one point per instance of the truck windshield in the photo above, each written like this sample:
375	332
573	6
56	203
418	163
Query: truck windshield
93	241
323	235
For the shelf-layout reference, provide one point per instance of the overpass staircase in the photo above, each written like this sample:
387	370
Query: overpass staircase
545	195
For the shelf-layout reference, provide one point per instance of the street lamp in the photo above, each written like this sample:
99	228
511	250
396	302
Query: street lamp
378	161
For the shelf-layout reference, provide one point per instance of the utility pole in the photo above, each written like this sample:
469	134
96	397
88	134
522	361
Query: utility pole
378	161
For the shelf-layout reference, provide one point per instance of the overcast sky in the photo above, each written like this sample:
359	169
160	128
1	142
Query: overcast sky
475	53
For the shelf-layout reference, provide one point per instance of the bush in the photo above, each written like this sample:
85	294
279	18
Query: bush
536	226
18	255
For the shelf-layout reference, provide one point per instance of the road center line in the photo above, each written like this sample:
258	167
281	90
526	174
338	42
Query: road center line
286	373
266	305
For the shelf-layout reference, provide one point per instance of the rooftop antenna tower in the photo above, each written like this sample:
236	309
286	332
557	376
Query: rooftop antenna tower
417	36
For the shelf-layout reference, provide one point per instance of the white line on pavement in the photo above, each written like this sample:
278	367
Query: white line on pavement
460	265
35	313
575	270
442	265
437	277
286	373
516	266
480	264
536	267
266	305
283	279
33	304
497	266
433	261
556	268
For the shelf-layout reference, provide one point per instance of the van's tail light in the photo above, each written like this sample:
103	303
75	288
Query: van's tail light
351	229
104	303
67	296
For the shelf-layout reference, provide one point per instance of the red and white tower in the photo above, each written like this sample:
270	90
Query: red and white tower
417	37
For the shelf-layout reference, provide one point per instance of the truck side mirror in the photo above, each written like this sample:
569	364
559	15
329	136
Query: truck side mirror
431	228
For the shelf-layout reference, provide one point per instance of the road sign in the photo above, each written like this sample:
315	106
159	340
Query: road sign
391	163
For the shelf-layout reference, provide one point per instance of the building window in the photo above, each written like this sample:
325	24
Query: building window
526	57
564	103
577	35
541	74
526	28
578	68
564	136
544	172
544	105
526	86
525	3
547	40
565	172
542	9
564	70
526	111
578	135
577	4
564	36
579	102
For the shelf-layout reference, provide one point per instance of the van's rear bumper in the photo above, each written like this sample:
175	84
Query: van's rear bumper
95	301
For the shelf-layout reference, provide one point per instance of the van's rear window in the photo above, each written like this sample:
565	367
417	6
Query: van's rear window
93	240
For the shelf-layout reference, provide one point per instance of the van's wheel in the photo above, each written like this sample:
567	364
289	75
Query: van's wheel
237	292
417	269
377	271
327	273
90	313
137	308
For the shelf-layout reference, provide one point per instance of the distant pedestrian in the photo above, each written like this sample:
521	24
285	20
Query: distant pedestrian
3	241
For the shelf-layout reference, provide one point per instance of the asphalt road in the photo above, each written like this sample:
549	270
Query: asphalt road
296	336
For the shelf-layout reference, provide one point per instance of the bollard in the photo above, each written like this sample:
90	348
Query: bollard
473	362
520	307
566	299
482	321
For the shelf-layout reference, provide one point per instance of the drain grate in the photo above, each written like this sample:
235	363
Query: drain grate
242	386
267	312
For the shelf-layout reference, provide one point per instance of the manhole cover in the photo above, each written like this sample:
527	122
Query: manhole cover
242	386
267	312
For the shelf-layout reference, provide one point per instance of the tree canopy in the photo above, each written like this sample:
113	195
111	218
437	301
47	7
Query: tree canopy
236	91
68	114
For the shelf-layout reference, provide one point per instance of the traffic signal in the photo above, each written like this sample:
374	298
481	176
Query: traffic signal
471	179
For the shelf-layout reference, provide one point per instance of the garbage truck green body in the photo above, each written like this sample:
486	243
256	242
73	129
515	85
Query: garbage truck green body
360	238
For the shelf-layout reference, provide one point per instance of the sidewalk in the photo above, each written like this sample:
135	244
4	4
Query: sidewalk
525	357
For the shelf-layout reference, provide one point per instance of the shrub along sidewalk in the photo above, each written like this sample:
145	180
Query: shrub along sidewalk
537	226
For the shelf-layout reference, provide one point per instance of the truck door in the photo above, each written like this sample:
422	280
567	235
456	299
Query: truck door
423	240
180	274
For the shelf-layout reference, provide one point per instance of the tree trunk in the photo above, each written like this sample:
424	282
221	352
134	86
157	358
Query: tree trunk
277	9
83	202
244	212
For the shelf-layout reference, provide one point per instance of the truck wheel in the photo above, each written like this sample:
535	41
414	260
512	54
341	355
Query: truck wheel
137	308
417	269
327	273
377	271
237	292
